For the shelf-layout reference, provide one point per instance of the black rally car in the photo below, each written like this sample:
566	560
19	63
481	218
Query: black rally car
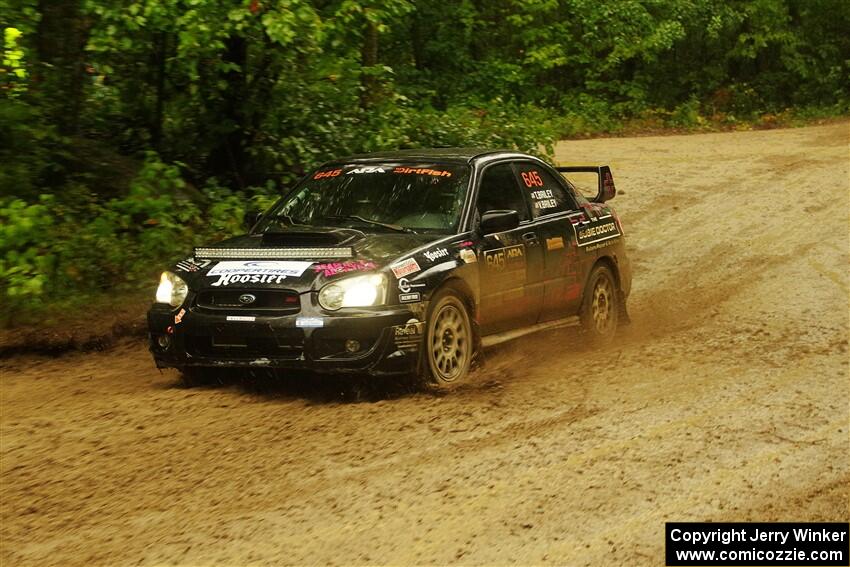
402	262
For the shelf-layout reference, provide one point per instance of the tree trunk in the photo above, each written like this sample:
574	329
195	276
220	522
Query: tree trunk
229	157
160	56
369	58
61	38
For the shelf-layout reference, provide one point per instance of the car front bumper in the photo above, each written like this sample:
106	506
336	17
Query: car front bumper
383	340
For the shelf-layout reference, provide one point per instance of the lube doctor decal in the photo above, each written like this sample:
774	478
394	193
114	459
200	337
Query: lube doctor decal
597	230
256	272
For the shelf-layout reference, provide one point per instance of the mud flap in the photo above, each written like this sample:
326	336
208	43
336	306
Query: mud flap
477	361
623	313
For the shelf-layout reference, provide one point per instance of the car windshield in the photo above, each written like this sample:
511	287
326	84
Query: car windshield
384	197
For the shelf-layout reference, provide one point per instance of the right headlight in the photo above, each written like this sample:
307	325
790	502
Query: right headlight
359	291
172	289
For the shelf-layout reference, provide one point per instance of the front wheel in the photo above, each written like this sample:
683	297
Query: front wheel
600	308
449	341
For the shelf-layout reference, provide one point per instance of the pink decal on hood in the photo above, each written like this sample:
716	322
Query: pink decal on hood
334	268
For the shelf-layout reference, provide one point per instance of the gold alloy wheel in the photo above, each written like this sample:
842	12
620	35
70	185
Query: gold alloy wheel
602	305
450	340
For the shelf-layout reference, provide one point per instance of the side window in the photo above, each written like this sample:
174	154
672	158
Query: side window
499	191
545	193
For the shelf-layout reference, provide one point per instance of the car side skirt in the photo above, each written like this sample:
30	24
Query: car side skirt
499	338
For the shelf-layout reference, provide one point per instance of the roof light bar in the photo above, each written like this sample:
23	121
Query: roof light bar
272	253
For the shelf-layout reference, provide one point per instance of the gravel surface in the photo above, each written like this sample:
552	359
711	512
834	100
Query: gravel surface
726	400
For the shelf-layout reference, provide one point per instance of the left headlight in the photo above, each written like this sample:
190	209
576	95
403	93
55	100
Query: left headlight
172	289
360	291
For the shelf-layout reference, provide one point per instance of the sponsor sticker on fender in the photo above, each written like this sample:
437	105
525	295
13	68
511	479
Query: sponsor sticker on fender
554	243
434	254
597	230
405	268
405	286
409	336
256	271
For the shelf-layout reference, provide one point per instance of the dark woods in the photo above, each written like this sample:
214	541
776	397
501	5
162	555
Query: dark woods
129	129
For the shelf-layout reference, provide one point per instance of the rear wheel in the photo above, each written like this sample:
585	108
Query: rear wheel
449	341
600	308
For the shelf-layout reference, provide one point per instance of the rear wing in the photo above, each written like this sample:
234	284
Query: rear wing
607	190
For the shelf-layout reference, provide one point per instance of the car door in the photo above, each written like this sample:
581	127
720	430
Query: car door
510	262
553	208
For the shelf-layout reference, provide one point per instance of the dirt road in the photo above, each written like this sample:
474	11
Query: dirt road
726	400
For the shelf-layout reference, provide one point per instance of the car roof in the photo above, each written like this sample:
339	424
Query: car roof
457	155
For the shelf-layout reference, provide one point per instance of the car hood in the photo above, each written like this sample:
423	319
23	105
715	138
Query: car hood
242	262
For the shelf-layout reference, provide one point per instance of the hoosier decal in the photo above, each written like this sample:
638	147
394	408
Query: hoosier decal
434	254
256	272
597	230
504	259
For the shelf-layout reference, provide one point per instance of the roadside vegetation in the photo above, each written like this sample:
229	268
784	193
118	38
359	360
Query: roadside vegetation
132	130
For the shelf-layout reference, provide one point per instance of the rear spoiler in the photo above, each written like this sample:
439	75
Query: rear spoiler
606	190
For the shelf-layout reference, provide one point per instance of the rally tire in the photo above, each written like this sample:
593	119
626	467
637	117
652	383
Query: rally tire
600	307
449	339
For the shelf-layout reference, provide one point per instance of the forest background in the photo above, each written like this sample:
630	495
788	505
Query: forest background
131	130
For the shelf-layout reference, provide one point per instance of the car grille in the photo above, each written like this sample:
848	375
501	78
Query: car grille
284	302
285	344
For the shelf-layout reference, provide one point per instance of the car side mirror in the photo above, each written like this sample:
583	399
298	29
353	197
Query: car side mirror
499	221
251	218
